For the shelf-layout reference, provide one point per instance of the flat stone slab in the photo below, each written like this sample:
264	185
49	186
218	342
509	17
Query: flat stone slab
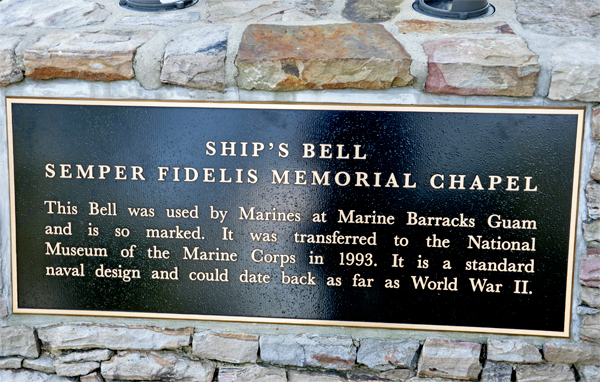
9	68
18	341
92	377
101	56
242	11
226	347
304	376
90	336
591	297
591	233
545	372
443	27
51	13
590	328
493	66
589	270
595	171
589	373
96	355
513	351
561	17
44	364
11	363
496	372
449	359
75	369
387	354
196	58
163	19
157	366
312	350
576	72
285	58
570	353
30	376
253	373
371	11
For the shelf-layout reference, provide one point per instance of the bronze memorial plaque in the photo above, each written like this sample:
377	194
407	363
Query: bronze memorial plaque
434	218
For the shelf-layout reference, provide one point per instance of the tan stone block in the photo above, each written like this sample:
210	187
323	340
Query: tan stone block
570	353
591	297
444	27
253	373
596	126
226	347
501	66
590	328
513	351
285	58
449	359
101	56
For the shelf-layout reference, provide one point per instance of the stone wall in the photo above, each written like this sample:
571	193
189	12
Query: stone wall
529	53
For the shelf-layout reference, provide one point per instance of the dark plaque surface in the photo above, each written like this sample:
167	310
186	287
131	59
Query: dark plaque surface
398	217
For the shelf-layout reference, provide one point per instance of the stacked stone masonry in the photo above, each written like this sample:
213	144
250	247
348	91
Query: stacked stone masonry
93	352
530	50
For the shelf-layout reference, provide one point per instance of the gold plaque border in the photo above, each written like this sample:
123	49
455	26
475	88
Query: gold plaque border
565	333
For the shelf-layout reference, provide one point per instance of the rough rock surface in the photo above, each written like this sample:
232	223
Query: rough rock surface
18	341
591	233
570	353
9	68
11	363
75	369
387	354
51	13
92	377
90	336
576	72
589	373
196	58
44	364
589	270
590	328
560	17
496	372
329	352
30	376
592	195
302	376
595	171
3	307
101	56
240	11
449	359
253	373
513	351
226	347
591	297
443	27
545	372
88	356
163	19
284	58
493	66
156	366
596	125
371	11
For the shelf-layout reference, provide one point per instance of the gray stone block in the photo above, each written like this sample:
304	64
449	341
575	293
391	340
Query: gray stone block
496	372
513	351
30	376
18	341
51	13
589	373
576	72
570	353
329	352
545	372
226	347
11	363
449	359
387	354
90	336
96	355
157	366
253	373
590	297
75	369
44	364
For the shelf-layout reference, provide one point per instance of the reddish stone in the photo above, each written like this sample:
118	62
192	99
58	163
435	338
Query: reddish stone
365	56
589	273
502	66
